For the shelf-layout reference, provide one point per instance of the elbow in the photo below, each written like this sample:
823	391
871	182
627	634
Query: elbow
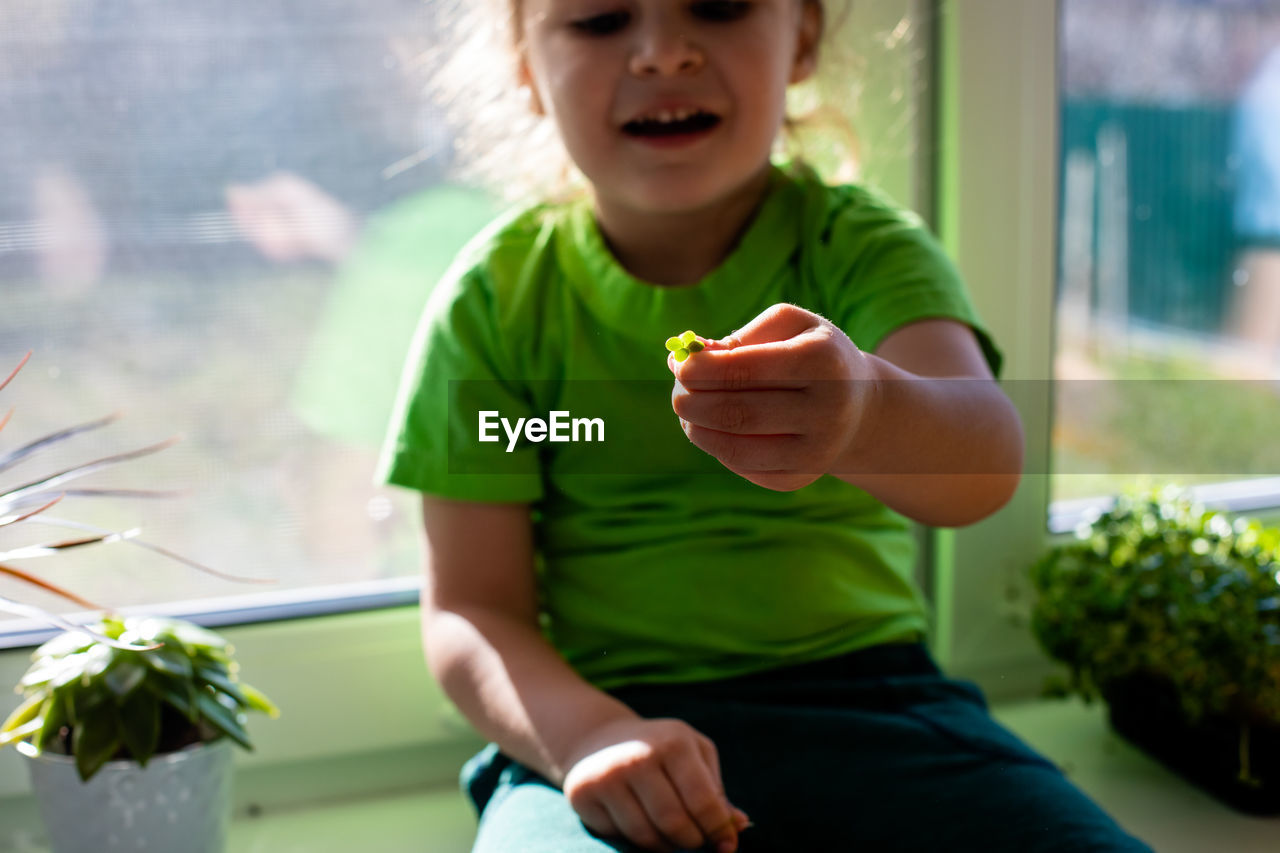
447	641
988	489
980	496
991	490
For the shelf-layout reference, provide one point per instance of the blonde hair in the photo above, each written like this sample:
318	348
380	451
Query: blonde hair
501	145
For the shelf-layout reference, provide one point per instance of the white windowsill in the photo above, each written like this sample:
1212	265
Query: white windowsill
414	814
1259	497
1146	799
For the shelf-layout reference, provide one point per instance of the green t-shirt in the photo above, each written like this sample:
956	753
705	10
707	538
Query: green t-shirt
655	563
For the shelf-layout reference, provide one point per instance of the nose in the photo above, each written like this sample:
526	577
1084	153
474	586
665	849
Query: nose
661	50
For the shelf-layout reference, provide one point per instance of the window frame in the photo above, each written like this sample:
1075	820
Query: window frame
997	200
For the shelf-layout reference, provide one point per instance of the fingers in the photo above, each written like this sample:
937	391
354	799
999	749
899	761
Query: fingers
665	810
697	779
662	791
756	367
754	413
760	454
755	359
631	814
776	323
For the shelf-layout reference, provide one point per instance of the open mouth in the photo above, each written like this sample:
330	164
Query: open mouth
671	124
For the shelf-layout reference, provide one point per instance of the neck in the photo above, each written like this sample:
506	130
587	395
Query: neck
678	249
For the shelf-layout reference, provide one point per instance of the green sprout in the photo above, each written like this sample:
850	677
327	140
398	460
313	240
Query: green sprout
685	345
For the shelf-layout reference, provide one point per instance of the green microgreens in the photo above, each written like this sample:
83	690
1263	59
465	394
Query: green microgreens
685	345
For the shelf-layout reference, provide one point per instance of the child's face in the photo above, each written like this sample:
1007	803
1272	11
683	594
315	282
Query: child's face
667	105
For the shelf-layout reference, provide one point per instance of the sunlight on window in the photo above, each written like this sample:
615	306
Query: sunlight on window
206	225
1168	308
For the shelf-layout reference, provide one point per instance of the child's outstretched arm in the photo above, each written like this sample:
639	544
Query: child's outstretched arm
920	424
656	782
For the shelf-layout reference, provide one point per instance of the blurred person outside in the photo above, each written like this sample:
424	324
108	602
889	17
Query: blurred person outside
1256	155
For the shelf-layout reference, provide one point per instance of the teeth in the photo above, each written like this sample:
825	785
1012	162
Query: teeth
668	116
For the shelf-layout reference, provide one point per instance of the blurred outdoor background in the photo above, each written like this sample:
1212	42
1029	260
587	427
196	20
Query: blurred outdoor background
220	220
1169	244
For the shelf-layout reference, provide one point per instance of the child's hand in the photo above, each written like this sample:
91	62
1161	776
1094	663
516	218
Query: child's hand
655	782
779	401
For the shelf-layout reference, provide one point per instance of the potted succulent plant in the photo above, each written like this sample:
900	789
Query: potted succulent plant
1171	614
127	722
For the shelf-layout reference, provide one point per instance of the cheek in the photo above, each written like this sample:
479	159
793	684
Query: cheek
581	106
571	82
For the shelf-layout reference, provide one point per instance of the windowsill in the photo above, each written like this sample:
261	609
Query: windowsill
388	801
1148	800
404	799
1258	497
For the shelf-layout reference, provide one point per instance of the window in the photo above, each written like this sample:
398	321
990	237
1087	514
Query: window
221	220
1004	149
1168	305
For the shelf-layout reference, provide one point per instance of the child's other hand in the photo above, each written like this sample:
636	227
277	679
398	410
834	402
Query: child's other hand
655	782
779	401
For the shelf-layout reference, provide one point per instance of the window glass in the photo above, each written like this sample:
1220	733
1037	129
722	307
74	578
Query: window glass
1168	307
219	220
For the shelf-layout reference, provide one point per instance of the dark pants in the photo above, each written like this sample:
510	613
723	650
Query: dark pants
872	751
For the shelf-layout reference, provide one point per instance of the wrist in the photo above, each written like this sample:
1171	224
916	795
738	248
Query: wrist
584	731
869	396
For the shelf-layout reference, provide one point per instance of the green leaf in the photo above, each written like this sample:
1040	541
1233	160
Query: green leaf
86	702
169	661
123	678
55	672
258	701
191	637
94	741
180	694
20	732
219	678
55	717
23	715
222	718
99	659
140	725
199	638
64	644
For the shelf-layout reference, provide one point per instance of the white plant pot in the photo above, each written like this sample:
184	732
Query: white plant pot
180	801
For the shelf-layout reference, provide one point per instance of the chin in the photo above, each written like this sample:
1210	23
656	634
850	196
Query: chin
683	197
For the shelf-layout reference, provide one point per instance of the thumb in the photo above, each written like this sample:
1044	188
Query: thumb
779	322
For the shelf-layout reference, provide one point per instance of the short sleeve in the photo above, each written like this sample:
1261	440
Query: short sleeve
887	270
458	371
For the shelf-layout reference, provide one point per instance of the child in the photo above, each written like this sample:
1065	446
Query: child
702	634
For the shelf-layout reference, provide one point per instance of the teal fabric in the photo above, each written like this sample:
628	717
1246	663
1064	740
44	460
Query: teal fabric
657	564
873	751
